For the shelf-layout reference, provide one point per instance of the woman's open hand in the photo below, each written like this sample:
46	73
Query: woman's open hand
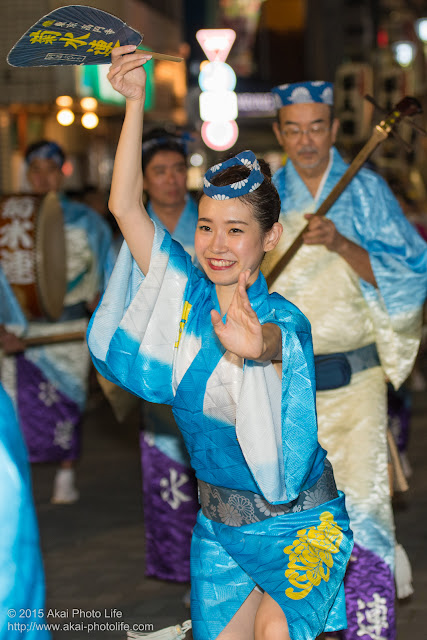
127	74
242	332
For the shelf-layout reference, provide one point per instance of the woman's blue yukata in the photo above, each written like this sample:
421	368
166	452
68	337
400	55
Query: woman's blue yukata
244	430
22	584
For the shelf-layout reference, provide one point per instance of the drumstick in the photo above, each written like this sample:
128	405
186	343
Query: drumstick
161	56
38	341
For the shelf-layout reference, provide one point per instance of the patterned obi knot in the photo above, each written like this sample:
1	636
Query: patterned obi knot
236	508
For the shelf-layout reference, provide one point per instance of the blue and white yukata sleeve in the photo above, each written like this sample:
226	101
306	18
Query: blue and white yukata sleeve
287	458
398	257
133	332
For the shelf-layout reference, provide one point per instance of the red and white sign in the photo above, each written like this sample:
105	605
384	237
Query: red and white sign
216	43
220	136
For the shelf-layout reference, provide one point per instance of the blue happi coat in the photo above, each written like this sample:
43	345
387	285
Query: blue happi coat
244	428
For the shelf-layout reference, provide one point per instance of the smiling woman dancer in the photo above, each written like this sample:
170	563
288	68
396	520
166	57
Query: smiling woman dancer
272	538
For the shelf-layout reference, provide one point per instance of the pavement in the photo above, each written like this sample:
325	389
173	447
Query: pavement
94	549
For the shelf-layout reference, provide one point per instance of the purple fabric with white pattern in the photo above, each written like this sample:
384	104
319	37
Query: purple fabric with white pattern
170	509
369	595
49	420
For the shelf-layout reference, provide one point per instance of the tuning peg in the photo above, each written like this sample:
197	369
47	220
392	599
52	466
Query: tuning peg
415	126
372	101
406	145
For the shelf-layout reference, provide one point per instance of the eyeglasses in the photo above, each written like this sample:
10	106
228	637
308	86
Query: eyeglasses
315	131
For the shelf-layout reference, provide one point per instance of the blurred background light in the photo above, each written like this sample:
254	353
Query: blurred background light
90	120
421	29
89	104
65	117
64	101
404	52
196	159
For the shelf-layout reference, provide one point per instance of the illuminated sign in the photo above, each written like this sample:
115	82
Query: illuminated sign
218	106
217	74
220	136
216	43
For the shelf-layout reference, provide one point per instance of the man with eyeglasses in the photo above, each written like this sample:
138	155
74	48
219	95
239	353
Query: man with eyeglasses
361	279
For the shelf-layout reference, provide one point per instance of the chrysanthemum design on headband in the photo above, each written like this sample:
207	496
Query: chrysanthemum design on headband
239	188
304	93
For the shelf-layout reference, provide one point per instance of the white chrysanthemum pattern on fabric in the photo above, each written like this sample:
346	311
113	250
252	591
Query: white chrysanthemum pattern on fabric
229	515
216	167
300	95
267	508
278	101
254	186
240	184
328	96
246	162
242	506
318	83
206	182
220	196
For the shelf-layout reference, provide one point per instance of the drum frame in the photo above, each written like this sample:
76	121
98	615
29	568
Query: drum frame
49	260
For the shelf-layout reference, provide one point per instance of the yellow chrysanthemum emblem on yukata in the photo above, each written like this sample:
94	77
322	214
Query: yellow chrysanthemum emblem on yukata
184	318
311	556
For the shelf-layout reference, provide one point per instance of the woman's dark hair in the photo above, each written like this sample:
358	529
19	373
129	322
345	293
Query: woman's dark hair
264	201
161	140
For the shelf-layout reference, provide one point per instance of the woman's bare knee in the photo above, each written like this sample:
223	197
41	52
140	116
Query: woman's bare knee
241	626
270	621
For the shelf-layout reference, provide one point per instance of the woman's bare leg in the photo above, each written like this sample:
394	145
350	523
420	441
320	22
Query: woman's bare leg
270	621
259	618
242	624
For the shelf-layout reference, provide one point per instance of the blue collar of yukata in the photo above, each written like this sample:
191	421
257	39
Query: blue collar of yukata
239	188
303	93
48	151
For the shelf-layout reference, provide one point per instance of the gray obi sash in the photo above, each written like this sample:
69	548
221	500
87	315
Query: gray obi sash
235	508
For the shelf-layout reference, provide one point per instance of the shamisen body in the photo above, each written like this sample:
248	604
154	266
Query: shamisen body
272	538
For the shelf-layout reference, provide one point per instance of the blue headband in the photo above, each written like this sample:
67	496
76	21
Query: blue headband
239	188
48	151
162	141
303	93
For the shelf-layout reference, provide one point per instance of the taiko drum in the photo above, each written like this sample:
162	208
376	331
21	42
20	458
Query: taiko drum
33	253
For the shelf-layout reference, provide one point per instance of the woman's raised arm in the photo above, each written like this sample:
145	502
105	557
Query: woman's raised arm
128	77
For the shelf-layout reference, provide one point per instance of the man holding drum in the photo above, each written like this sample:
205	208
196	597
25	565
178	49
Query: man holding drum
50	382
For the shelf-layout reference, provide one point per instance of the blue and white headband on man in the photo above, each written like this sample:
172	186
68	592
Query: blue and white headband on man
303	93
182	141
239	188
48	151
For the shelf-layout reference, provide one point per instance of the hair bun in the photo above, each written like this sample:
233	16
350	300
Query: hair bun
265	168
